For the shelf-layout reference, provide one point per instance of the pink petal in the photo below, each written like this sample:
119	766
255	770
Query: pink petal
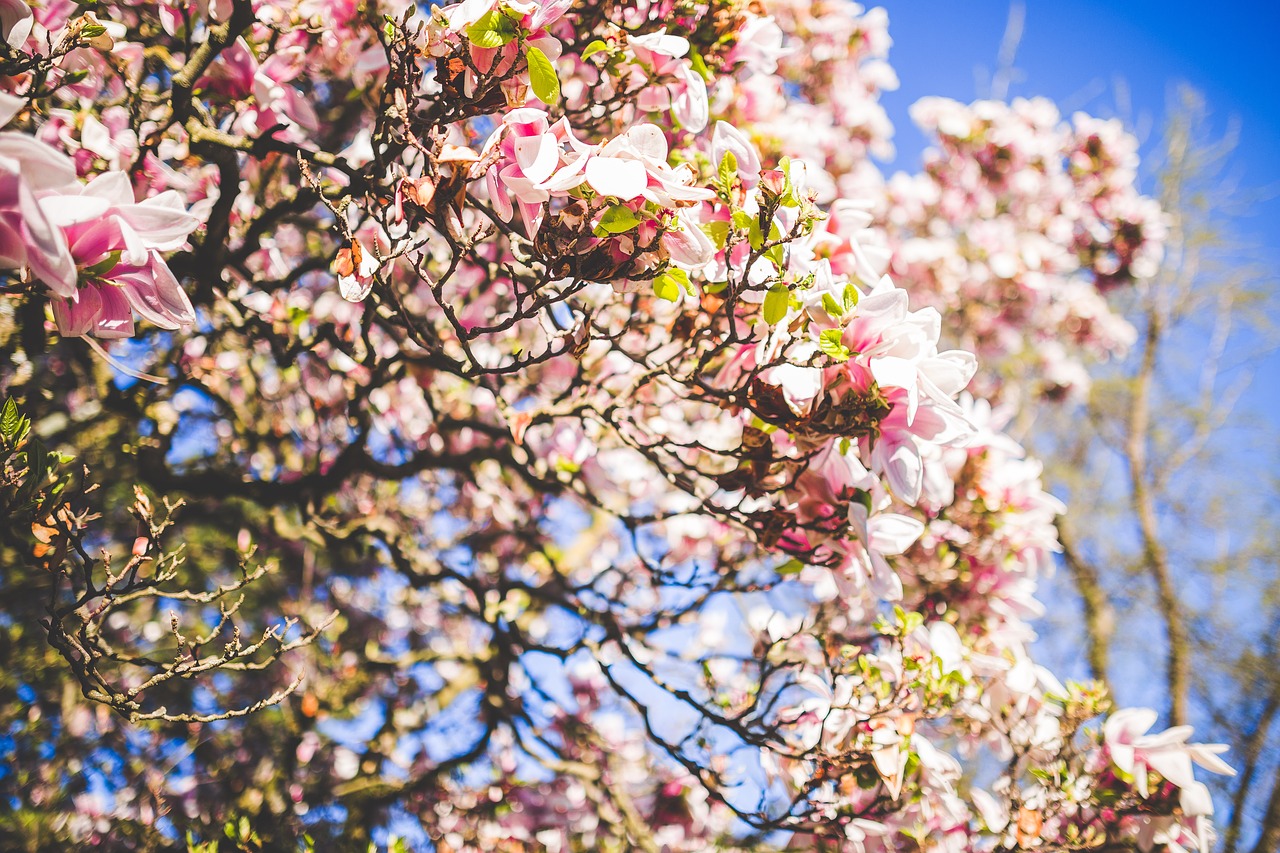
688	245
157	297
498	195
116	319
42	167
73	209
902	467
13	251
76	316
690	107
45	247
890	533
160	222
10	105
648	140
726	138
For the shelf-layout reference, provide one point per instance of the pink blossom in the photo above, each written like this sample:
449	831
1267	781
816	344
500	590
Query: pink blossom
116	243
1168	753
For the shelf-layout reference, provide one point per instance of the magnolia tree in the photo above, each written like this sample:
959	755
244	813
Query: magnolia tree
534	424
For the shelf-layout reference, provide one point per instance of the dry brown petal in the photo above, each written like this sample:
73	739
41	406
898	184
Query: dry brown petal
1030	822
457	154
43	533
348	259
420	191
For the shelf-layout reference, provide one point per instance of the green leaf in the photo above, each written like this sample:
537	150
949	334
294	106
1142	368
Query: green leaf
742	220
790	567
619	219
777	252
493	29
542	76
861	496
829	343
776	302
777	255
728	170
850	297
105	265
594	48
37	470
92	31
10	418
912	622
758	423
832	307
698	64
682	279
718	231
666	287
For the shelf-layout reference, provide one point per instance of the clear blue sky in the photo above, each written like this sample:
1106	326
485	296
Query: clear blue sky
1074	51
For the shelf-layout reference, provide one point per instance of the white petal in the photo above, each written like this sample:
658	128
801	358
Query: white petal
1195	800
995	816
890	533
538	156
1174	765
903	469
1127	724
1206	755
613	176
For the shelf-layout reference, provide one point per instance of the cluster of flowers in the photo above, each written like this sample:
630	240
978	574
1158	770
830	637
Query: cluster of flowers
622	307
1017	227
93	245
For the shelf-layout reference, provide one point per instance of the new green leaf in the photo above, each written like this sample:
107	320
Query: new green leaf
619	219
666	287
492	29
776	302
594	48
542	76
829	342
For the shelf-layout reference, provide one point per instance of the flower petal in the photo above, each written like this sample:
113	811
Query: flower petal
614	176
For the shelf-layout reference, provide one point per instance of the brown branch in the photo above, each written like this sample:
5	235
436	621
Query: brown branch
1155	557
1269	840
1099	615
1252	752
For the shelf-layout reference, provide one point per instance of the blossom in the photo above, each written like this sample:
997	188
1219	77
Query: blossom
1134	751
116	242
27	236
16	21
677	85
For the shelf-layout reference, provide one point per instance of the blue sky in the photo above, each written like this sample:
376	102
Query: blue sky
1077	51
